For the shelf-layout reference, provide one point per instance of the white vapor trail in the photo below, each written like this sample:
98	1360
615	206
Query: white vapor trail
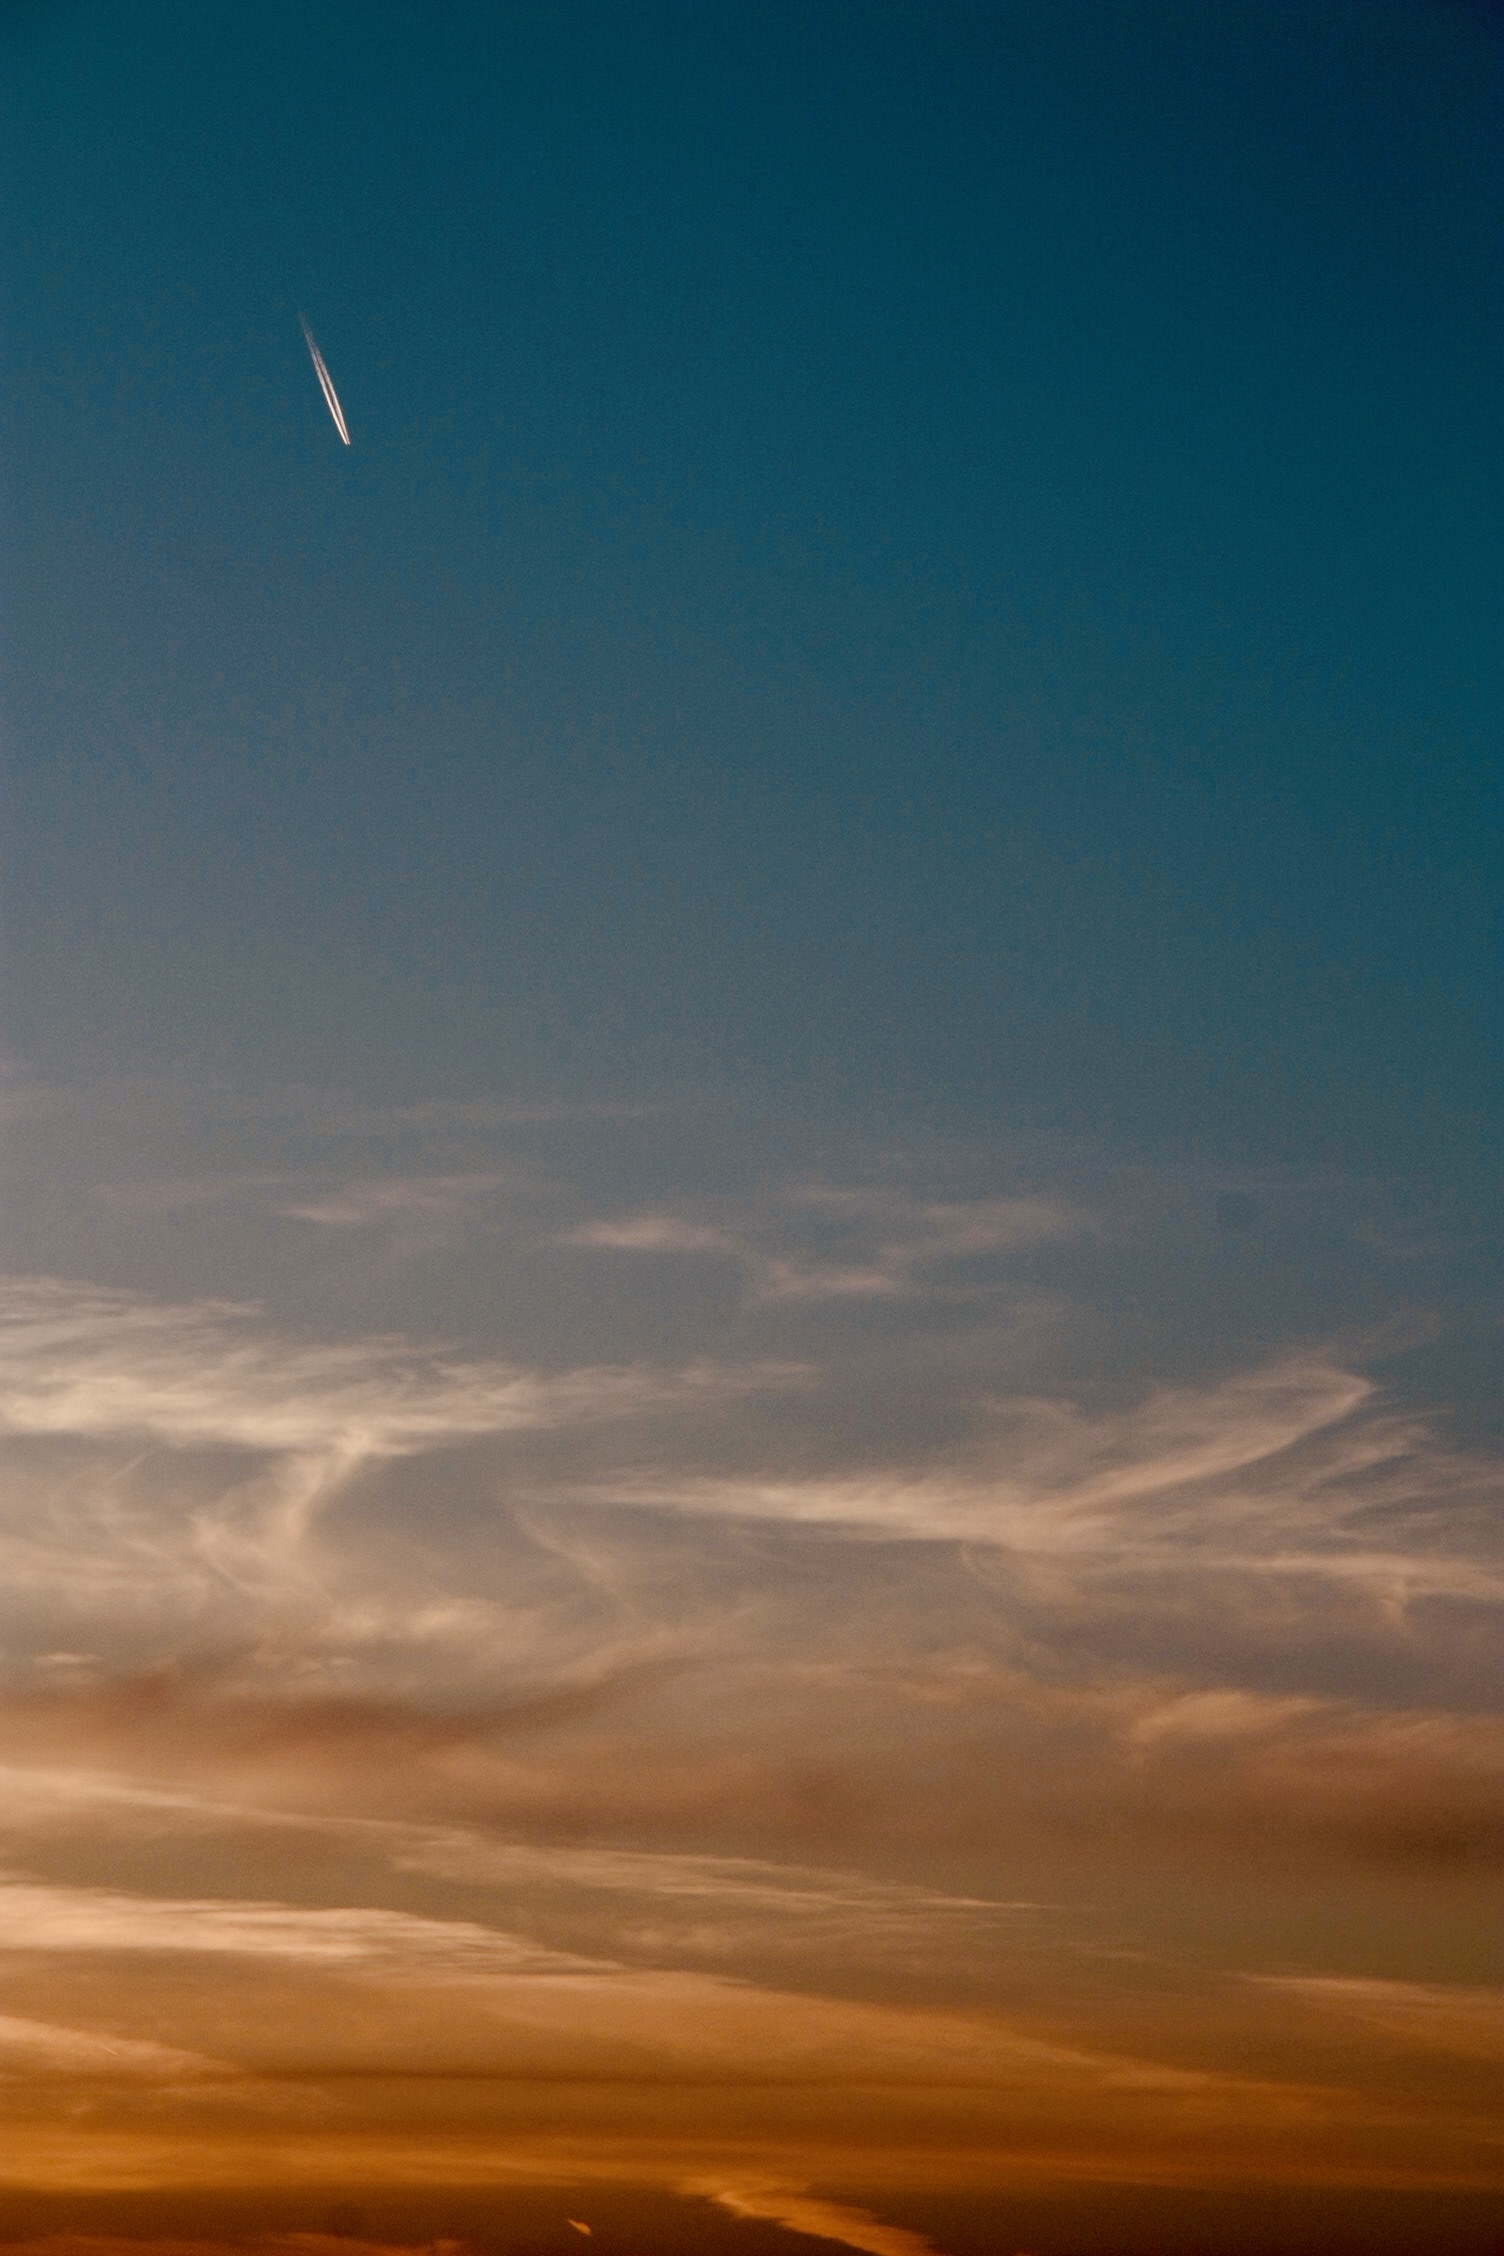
326	385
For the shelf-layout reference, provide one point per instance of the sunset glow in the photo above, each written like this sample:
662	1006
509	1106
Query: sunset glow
750	1480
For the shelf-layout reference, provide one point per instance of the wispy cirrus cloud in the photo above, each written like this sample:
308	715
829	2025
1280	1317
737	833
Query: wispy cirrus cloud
402	1201
821	1242
815	1754
488	1989
751	1883
432	1203
37	1917
90	1366
41	2048
1463	2018
681	1908
91	1363
1248	1462
218	1445
727	1910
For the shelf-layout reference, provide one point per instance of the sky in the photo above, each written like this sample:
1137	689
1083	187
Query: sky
751	1484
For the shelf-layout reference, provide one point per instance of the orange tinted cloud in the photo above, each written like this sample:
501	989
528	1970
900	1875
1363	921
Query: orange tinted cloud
821	2220
424	1769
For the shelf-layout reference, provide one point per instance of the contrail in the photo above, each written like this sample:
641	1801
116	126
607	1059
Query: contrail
331	396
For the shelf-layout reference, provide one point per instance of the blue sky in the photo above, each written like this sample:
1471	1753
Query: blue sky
945	554
749	1256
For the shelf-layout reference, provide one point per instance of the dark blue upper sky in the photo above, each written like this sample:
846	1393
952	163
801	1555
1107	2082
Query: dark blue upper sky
894	556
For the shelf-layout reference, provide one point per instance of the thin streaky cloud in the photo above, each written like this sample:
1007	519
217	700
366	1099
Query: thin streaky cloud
37	1917
326	382
436	1205
755	1882
40	2048
93	1362
1457	2017
890	1245
685	2021
653	1233
376	1202
791	1900
815	2219
1290	1468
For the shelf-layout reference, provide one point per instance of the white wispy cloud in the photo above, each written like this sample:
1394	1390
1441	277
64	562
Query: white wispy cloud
1291	1469
403	1201
86	1362
654	1233
1291	1475
1053	1475
90	1365
817	1242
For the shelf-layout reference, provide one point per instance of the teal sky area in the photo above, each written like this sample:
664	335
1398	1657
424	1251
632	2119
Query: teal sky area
892	556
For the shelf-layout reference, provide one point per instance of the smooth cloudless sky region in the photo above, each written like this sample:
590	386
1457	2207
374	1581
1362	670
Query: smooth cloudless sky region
750	1344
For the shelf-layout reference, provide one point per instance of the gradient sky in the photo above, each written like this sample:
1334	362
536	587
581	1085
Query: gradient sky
750	1459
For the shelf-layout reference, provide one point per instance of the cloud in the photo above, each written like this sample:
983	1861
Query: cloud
738	1911
753	1883
1052	1476
915	1762
1287	1472
38	2048
875	1244
654	1233
86	1364
404	1201
822	2220
1391	1785
460	1997
660	1907
581	1781
450	2053
429	1202
1466	2019
310	1110
38	1917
